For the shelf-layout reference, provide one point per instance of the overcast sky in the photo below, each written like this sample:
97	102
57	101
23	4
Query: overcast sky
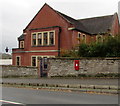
16	14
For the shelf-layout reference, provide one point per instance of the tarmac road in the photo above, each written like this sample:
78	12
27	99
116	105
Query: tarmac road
63	81
32	96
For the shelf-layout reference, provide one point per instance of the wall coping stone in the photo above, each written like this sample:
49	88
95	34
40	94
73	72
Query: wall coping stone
86	58
18	66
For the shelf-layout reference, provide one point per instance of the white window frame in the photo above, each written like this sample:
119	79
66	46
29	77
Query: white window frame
49	37
48	32
37	38
79	38
99	36
19	60
31	61
32	39
21	44
85	38
78	34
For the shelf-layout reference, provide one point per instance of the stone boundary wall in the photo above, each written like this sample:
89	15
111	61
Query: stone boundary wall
18	71
65	67
88	66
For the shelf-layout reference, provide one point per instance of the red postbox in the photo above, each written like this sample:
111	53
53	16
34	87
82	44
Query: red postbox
76	65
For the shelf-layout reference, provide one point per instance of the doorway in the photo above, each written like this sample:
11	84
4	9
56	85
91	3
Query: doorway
43	67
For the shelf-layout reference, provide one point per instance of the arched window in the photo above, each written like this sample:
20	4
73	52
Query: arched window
79	34
84	38
99	38
18	60
79	37
21	44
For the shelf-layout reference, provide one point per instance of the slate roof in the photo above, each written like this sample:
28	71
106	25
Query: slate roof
98	25
78	25
21	37
93	25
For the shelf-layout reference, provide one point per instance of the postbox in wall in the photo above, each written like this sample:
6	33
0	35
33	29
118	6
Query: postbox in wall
76	65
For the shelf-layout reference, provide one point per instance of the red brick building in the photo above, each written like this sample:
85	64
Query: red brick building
50	31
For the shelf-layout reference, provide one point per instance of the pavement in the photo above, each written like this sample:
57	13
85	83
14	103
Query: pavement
110	82
79	85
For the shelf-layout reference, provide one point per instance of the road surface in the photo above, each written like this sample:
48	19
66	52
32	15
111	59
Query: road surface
31	96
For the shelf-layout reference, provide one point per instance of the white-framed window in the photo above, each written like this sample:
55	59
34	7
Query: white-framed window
40	39
33	61
43	38
84	38
51	38
99	38
21	44
18	60
79	37
34	38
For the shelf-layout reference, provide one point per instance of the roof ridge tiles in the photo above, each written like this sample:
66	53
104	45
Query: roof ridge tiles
95	17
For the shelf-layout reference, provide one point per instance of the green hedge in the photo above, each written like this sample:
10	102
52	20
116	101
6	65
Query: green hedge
109	48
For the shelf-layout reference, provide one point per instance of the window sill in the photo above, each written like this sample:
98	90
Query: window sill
45	46
20	48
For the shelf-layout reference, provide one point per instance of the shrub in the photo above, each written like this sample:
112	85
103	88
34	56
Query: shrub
83	50
109	48
113	46
65	53
69	53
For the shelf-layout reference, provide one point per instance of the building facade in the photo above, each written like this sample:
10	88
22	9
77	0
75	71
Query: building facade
50	31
